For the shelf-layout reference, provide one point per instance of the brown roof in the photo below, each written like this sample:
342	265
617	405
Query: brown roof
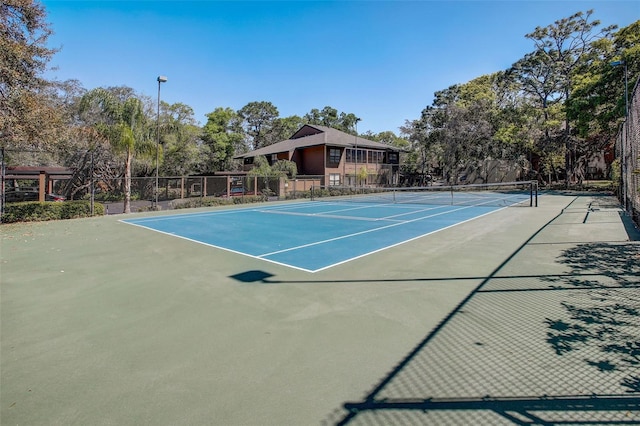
32	172
313	135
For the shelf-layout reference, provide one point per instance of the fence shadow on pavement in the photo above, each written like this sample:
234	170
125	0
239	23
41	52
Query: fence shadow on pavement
549	348
609	319
546	349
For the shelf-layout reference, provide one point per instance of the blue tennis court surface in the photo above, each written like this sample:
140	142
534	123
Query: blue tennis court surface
312	236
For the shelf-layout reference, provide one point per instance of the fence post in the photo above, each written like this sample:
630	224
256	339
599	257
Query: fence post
629	151
93	186
282	189
2	173
41	186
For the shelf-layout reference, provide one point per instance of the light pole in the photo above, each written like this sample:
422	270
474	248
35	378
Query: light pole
356	155
161	79
623	160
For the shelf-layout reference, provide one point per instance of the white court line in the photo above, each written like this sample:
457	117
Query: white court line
303	205
379	228
352	207
235	209
415	211
329	214
401	242
219	247
363	232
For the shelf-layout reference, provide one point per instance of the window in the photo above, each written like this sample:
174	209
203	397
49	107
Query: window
351	158
334	155
350	180
334	179
393	157
375	157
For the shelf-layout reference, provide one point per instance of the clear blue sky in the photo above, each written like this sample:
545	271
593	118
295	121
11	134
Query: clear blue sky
381	60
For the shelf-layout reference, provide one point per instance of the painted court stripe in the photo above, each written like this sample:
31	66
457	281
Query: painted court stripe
325	234
362	232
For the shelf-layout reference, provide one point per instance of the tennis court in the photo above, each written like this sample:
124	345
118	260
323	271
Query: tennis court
312	236
108	323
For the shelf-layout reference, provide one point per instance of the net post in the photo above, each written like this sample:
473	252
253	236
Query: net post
530	193
535	183
311	191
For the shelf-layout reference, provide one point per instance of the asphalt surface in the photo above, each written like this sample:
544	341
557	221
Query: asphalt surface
524	316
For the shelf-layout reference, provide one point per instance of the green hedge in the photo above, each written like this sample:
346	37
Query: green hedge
216	201
34	211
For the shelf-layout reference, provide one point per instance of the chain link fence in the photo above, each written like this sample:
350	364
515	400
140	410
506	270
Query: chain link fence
173	191
628	148
105	185
89	182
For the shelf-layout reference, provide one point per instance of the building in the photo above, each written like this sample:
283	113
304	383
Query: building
336	157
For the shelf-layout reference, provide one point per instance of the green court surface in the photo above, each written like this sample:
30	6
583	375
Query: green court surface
486	322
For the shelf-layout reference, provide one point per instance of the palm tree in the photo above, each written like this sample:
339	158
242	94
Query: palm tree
119	116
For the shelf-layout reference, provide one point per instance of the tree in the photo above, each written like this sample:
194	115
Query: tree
285	167
181	152
283	128
223	138
347	122
258	120
597	103
462	124
362	175
389	138
562	47
281	168
28	117
423	152
118	115
470	127
330	117
327	117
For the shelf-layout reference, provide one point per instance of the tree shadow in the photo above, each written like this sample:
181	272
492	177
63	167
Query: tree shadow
506	354
608	319
591	317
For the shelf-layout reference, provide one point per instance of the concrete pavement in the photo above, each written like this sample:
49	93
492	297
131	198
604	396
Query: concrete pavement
525	315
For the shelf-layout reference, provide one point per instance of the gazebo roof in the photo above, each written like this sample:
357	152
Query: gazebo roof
32	172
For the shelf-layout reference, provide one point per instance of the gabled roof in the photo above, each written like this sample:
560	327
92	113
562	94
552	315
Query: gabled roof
312	135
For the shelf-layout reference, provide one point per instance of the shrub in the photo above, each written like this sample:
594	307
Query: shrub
248	199
34	211
298	195
191	203
215	201
76	209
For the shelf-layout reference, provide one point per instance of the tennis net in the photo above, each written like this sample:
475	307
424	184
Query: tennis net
510	194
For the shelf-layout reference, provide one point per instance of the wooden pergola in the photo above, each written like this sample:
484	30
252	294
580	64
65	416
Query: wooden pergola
46	176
